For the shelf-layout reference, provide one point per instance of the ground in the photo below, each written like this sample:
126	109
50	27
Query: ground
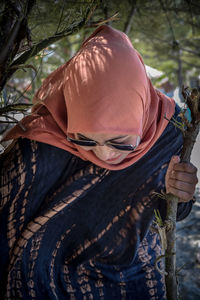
188	254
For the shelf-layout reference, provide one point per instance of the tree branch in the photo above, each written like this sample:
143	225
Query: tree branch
21	94
129	21
43	44
21	107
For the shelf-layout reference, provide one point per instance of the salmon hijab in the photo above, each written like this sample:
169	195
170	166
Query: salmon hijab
104	88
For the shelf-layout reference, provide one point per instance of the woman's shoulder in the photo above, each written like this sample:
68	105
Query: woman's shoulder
27	151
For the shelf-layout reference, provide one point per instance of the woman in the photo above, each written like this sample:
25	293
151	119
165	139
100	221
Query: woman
78	186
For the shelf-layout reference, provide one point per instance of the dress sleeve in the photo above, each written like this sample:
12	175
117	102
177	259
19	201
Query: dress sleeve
183	210
31	168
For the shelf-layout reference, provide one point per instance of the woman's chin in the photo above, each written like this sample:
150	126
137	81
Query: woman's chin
115	161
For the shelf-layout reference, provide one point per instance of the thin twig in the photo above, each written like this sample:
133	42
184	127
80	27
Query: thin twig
22	94
15	107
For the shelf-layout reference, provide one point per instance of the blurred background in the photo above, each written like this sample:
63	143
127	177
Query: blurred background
37	37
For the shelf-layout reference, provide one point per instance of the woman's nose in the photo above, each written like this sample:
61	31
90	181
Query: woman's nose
104	152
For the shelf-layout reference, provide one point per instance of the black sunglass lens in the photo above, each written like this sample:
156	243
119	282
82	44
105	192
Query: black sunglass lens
82	143
86	143
124	147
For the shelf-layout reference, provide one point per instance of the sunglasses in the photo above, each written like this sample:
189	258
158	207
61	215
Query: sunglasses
92	143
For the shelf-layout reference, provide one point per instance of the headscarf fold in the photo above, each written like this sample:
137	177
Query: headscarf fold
104	88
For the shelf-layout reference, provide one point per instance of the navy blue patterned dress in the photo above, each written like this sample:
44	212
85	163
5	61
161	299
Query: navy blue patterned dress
72	230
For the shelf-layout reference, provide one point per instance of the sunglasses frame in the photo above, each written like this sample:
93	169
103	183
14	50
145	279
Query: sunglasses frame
91	143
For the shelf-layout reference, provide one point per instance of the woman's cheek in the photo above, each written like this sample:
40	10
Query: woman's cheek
86	148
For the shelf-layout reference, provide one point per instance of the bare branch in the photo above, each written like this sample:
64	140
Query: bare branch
129	21
22	107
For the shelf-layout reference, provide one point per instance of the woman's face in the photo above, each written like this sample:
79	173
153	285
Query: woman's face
105	152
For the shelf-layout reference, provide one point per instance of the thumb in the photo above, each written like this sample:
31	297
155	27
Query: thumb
174	160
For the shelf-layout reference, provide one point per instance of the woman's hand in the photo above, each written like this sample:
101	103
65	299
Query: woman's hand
181	179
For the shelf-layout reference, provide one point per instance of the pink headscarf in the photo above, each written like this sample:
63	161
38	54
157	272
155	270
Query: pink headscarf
104	88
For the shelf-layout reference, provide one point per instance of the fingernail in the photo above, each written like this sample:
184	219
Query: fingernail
176	159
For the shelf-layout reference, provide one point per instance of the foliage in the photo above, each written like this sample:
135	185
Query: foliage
164	32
